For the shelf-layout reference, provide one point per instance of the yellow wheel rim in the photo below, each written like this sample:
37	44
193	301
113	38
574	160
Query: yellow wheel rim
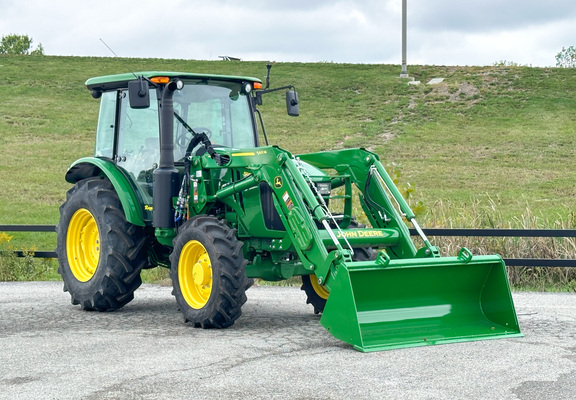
195	274
83	245
319	289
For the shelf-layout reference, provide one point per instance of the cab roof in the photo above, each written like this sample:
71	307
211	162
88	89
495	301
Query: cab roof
118	81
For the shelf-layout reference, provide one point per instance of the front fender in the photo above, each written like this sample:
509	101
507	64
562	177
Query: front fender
88	167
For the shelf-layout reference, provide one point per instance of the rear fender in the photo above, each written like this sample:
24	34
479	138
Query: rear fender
91	166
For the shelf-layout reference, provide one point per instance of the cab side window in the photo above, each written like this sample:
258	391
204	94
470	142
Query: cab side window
105	131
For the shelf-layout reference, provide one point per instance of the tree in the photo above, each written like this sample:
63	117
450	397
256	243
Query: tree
19	45
566	58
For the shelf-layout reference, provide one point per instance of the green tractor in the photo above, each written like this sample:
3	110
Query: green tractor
180	180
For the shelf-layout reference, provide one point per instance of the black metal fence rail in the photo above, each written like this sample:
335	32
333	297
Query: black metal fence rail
31	228
524	262
561	233
27	228
512	262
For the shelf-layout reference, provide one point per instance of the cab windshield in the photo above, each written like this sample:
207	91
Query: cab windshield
218	109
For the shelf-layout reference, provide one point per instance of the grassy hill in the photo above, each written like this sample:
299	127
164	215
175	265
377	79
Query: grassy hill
487	143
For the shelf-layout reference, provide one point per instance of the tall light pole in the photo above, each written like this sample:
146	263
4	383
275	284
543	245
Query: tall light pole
404	71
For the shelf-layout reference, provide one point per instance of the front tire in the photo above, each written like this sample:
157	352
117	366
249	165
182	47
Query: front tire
317	294
100	254
208	273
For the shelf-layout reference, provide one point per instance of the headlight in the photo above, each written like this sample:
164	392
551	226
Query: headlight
246	87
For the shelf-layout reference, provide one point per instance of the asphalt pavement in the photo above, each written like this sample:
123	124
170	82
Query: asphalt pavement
50	349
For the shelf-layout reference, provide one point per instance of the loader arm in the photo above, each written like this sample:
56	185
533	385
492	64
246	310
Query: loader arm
378	193
321	244
293	200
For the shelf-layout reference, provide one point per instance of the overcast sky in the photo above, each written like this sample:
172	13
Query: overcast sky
441	32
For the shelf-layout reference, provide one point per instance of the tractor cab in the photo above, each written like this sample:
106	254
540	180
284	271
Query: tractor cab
128	134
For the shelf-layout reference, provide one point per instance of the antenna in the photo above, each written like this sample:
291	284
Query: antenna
142	88
109	48
116	55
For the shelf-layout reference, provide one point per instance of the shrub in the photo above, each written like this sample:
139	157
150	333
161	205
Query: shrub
25	268
566	58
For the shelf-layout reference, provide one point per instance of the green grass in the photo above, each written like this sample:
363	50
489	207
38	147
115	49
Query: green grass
485	133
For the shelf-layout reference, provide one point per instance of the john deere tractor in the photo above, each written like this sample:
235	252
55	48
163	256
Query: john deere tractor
180	180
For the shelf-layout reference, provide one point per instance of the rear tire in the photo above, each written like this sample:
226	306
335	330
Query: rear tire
208	272
100	254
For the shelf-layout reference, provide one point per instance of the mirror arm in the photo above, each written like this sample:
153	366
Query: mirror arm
261	92
258	93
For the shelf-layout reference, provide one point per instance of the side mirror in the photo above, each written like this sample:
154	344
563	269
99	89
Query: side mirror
139	93
292	103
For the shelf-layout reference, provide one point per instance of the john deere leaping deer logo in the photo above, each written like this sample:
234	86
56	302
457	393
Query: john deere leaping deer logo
278	182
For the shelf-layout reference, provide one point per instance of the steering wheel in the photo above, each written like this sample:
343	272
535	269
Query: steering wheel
184	136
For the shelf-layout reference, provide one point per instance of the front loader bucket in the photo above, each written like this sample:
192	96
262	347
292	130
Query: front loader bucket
419	302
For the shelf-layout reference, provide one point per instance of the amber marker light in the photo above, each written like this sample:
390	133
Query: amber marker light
160	79
257	85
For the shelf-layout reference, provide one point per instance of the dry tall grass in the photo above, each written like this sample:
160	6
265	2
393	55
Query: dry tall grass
481	215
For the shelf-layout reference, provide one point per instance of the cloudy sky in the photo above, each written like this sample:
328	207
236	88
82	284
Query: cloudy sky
441	32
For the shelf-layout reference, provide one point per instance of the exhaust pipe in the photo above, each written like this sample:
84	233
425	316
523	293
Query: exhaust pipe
166	175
